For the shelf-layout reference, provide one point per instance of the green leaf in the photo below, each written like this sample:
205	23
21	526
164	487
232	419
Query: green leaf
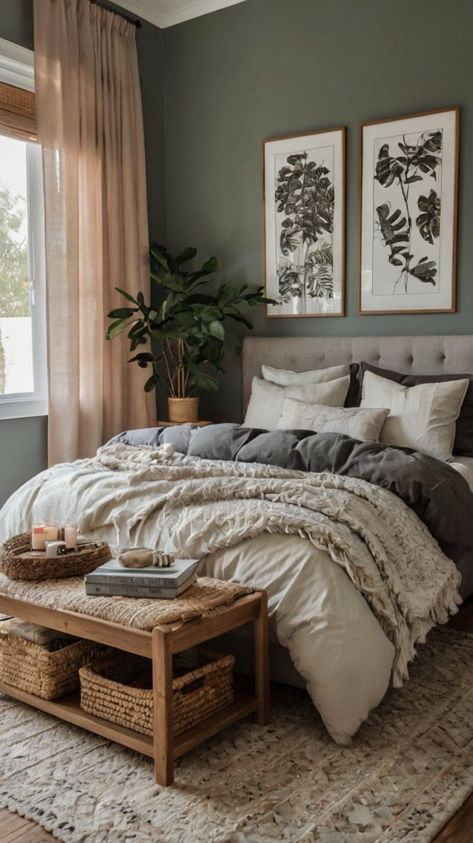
127	296
142	357
150	383
159	254
171	282
186	255
137	328
136	341
121	313
216	330
204	381
115	328
241	320
208	268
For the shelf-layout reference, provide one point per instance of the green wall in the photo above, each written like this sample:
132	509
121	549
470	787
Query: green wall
23	442
269	67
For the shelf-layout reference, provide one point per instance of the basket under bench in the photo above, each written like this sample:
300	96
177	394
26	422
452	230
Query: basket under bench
159	645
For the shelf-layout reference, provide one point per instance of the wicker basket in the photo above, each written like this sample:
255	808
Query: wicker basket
107	692
18	561
38	671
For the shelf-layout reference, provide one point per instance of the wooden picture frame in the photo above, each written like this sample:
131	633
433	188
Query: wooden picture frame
409	213
305	240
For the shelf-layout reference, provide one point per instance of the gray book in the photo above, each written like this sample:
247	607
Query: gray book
127	590
114	573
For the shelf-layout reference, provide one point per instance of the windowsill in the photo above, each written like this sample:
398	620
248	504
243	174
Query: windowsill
22	409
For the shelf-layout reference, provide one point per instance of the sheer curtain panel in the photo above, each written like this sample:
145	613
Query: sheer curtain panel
90	125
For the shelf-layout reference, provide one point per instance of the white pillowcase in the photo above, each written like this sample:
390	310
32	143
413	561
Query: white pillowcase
358	423
266	401
421	417
285	377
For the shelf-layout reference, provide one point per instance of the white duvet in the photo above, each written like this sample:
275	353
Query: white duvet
334	640
250	523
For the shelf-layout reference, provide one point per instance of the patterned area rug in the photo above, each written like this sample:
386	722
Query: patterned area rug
408	769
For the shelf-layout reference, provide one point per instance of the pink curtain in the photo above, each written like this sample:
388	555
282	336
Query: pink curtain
90	126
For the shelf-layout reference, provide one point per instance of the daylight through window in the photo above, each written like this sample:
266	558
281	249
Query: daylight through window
22	305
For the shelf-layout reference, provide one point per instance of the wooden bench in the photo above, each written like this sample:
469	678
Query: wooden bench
159	645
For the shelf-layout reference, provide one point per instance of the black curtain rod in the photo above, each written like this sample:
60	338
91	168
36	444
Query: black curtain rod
135	21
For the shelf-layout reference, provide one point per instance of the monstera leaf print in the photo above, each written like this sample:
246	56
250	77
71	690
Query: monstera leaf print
395	233
425	271
400	166
428	221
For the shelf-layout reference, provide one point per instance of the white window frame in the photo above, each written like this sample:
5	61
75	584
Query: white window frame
17	68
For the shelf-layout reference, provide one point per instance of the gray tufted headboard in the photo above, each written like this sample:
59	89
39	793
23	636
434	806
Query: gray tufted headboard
417	355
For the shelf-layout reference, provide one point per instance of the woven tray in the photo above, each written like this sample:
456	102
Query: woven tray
45	674
106	691
17	562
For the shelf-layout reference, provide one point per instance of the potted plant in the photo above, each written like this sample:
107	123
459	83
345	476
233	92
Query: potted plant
186	330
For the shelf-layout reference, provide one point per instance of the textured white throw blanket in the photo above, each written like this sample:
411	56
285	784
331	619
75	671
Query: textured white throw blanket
193	507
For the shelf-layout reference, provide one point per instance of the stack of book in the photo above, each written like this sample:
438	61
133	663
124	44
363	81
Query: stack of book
112	580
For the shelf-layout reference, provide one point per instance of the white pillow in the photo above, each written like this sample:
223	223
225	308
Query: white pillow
265	404
285	377
421	417
358	423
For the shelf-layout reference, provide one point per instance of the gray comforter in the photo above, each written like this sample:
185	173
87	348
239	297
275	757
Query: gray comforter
437	493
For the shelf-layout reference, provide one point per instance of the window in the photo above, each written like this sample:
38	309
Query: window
22	301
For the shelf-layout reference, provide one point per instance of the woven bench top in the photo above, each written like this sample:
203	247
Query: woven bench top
200	600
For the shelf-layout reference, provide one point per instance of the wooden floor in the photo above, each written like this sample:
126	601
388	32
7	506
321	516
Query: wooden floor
15	829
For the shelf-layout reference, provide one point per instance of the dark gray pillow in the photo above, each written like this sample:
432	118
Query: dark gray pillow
220	441
143	436
463	444
179	436
275	447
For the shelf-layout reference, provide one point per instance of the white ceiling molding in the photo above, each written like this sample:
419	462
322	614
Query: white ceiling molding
164	13
16	65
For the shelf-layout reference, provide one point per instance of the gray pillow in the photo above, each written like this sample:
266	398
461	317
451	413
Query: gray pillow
220	441
179	437
363	424
266	400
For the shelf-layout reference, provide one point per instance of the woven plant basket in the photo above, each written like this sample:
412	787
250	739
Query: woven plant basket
182	410
107	692
18	562
45	674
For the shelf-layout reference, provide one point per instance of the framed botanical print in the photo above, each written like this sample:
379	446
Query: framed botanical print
409	198
304	222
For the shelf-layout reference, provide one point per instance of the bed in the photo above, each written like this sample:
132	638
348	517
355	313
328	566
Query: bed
355	577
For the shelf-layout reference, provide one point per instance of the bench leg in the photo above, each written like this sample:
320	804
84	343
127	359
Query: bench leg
261	662
162	694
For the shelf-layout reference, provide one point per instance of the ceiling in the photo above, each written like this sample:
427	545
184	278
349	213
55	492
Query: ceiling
165	13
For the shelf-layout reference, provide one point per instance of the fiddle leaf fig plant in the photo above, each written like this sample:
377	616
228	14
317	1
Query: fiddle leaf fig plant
187	329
